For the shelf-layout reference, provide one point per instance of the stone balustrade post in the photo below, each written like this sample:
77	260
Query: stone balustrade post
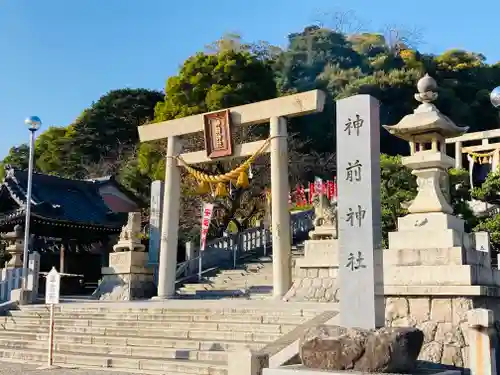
192	253
247	362
33	275
482	356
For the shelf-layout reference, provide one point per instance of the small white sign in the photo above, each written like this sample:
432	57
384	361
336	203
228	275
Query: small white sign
482	240
52	287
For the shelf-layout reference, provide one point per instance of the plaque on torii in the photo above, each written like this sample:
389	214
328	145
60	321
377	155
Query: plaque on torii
218	137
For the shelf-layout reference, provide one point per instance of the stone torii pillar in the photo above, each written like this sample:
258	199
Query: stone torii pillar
274	111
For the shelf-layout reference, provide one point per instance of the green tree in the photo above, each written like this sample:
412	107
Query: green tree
489	192
109	127
48	151
227	76
210	82
398	187
18	157
101	139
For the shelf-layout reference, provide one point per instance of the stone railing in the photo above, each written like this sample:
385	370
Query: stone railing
276	353
227	250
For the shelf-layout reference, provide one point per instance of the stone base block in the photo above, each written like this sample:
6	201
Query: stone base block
126	287
319	253
430	221
325	253
435	257
301	370
314	285
22	296
129	245
426	239
323	233
128	277
128	262
441	275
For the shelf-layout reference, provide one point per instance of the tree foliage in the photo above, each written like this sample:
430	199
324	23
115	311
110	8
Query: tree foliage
230	72
398	187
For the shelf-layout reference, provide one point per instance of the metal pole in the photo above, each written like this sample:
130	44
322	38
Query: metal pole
234	257
28	207
200	265
265	240
51	337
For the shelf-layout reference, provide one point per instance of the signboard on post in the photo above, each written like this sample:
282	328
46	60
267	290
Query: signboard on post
206	217
52	293
52	287
359	212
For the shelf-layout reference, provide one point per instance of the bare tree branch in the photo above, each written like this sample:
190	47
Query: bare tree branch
398	37
341	21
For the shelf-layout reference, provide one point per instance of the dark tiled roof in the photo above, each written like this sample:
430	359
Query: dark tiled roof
58	199
106	180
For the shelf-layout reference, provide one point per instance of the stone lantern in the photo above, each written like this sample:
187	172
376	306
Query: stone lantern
434	270
426	130
15	246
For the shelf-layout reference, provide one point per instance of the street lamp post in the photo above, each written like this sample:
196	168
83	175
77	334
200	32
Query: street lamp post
34	123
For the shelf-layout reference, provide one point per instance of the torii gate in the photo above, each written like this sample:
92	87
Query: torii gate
274	111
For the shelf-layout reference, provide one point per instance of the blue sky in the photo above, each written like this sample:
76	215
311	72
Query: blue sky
57	56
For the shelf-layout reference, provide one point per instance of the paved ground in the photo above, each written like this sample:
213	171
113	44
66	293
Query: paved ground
21	369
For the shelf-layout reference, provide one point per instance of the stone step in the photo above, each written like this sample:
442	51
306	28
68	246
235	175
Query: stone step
152	332
234	272
237	315
248	277
217	293
145	365
126	351
122	340
202	286
213	297
242	283
230	318
191	288
260	296
149	308
138	324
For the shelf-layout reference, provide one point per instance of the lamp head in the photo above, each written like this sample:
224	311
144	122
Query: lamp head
33	122
495	97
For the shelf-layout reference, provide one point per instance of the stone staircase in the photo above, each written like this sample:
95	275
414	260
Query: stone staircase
172	337
252	279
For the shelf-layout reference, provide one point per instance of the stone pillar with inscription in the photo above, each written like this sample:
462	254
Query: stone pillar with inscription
359	216
129	276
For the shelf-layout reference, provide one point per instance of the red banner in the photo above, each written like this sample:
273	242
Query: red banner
208	210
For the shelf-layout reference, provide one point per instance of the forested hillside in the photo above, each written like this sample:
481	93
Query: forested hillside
103	139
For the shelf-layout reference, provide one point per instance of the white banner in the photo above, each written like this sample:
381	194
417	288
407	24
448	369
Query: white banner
208	210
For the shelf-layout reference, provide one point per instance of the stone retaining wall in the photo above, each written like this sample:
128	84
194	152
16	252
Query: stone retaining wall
313	285
443	321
